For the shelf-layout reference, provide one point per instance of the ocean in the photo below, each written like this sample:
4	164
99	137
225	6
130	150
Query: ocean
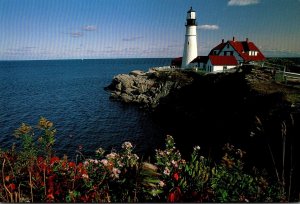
71	94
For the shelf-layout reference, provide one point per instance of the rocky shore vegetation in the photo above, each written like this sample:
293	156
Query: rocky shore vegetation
31	172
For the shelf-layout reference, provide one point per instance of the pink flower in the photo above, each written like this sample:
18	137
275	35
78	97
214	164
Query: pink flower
104	162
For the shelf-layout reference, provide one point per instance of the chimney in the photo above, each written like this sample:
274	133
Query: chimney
247	40
222	40
233	39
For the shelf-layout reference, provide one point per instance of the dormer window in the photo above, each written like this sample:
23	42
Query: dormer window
253	53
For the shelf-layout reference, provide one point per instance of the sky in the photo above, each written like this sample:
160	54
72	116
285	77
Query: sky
96	29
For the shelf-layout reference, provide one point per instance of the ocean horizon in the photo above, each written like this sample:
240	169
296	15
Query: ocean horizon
71	94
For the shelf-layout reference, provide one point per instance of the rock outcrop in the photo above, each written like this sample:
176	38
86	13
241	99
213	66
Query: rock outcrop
147	88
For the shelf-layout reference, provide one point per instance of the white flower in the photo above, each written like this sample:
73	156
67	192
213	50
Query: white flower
85	176
86	163
197	148
136	156
175	164
161	184
112	155
167	171
126	145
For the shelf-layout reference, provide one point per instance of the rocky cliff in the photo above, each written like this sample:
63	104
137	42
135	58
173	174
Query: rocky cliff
147	88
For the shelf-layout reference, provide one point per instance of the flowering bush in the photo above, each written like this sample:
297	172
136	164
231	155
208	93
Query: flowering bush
31	173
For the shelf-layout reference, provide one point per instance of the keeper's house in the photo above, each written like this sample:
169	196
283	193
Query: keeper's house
226	55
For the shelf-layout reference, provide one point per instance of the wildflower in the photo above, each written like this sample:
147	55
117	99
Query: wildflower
196	148
161	153
86	163
44	123
201	158
161	184
85	176
167	171
127	145
100	151
115	173
104	162
175	163
112	155
23	130
96	161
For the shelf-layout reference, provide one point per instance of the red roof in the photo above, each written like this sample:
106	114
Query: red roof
242	48
222	60
217	48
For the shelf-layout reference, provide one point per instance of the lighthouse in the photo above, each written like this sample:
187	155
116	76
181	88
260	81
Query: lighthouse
190	44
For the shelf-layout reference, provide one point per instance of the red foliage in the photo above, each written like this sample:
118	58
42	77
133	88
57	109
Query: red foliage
12	187
54	160
171	197
176	176
175	195
72	164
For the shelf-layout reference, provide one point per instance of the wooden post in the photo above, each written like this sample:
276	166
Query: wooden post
284	75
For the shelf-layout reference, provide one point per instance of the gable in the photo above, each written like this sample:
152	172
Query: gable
246	50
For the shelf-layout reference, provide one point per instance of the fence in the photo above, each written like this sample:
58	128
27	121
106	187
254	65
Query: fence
280	72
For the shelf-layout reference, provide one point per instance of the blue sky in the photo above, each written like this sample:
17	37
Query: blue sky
68	29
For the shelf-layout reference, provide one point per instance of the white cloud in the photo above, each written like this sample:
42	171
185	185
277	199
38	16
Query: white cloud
76	34
90	28
208	27
132	38
242	2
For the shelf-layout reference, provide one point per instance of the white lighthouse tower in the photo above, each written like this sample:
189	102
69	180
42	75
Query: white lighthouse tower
190	44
